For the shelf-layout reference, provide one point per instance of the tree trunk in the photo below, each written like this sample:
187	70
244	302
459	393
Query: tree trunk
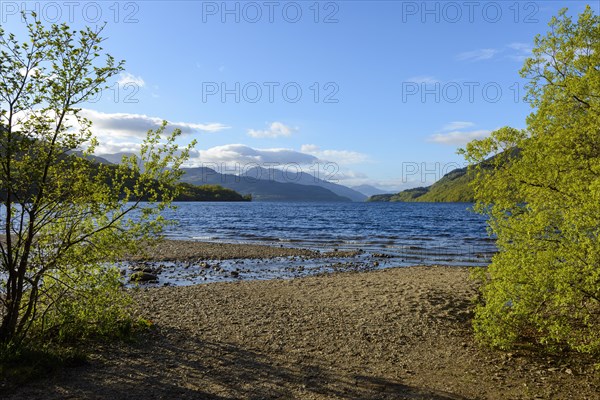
10	319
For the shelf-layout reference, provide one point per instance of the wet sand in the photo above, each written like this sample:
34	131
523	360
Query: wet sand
183	250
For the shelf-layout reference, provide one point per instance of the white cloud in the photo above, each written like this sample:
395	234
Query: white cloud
458	138
237	158
112	147
230	156
477	55
309	148
343	157
525	47
136	125
454	133
521	51
127	78
457	125
276	129
118	132
122	132
241	154
428	80
32	72
350	176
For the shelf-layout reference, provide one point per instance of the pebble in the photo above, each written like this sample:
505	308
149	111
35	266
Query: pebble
140	276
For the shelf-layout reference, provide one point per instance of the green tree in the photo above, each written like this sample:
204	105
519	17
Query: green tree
65	219
542	197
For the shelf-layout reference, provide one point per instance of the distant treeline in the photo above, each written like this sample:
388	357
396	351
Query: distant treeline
189	192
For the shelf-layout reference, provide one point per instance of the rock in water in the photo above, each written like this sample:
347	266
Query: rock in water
143	277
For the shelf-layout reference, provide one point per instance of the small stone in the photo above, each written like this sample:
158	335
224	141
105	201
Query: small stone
143	277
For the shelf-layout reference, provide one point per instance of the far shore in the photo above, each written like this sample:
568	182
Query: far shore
397	333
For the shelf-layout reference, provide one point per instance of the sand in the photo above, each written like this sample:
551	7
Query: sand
400	333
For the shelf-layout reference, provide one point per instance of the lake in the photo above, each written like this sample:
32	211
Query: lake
411	233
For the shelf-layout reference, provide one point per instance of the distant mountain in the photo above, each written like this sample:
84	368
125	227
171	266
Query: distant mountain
302	178
260	189
96	159
188	192
453	187
368	190
265	184
115	158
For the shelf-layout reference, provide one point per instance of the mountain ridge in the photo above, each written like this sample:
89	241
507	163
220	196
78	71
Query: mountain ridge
260	189
452	188
302	178
368	190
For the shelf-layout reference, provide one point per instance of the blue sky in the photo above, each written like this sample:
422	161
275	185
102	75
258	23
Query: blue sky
389	89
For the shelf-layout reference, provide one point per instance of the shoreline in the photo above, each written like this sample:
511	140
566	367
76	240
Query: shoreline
224	248
193	250
184	263
395	333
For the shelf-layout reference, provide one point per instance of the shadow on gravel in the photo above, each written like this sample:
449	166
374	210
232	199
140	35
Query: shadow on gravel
169	364
450	307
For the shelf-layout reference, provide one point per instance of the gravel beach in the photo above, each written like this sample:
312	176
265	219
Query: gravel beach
183	250
398	333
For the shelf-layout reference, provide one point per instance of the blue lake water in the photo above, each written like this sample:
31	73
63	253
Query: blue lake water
410	233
